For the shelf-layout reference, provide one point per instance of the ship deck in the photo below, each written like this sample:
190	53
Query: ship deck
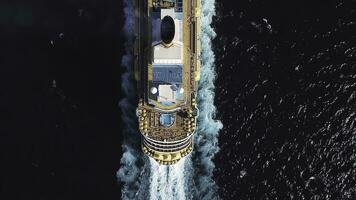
154	116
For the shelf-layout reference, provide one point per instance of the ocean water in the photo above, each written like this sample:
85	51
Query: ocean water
286	91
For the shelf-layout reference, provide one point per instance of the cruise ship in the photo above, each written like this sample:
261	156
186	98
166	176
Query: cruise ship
167	71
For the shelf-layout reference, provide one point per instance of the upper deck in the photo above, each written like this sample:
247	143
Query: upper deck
167	70
167	67
166	74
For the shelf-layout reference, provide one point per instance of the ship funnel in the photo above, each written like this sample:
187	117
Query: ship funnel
167	30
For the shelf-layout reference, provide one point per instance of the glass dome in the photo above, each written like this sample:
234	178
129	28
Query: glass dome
167	120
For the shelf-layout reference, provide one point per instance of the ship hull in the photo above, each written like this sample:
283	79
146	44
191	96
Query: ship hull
167	71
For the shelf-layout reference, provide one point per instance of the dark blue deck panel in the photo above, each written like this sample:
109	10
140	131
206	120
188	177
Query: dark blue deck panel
167	74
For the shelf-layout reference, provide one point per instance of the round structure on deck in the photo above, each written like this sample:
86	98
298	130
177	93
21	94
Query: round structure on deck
167	120
167	29
154	90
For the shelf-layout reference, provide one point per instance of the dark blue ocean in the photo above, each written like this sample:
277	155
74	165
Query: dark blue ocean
285	93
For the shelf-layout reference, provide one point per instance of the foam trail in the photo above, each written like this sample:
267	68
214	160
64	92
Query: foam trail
168	182
130	170
206	139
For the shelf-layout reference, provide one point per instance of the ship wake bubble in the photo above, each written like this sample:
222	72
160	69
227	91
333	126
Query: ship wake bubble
130	170
206	139
192	177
